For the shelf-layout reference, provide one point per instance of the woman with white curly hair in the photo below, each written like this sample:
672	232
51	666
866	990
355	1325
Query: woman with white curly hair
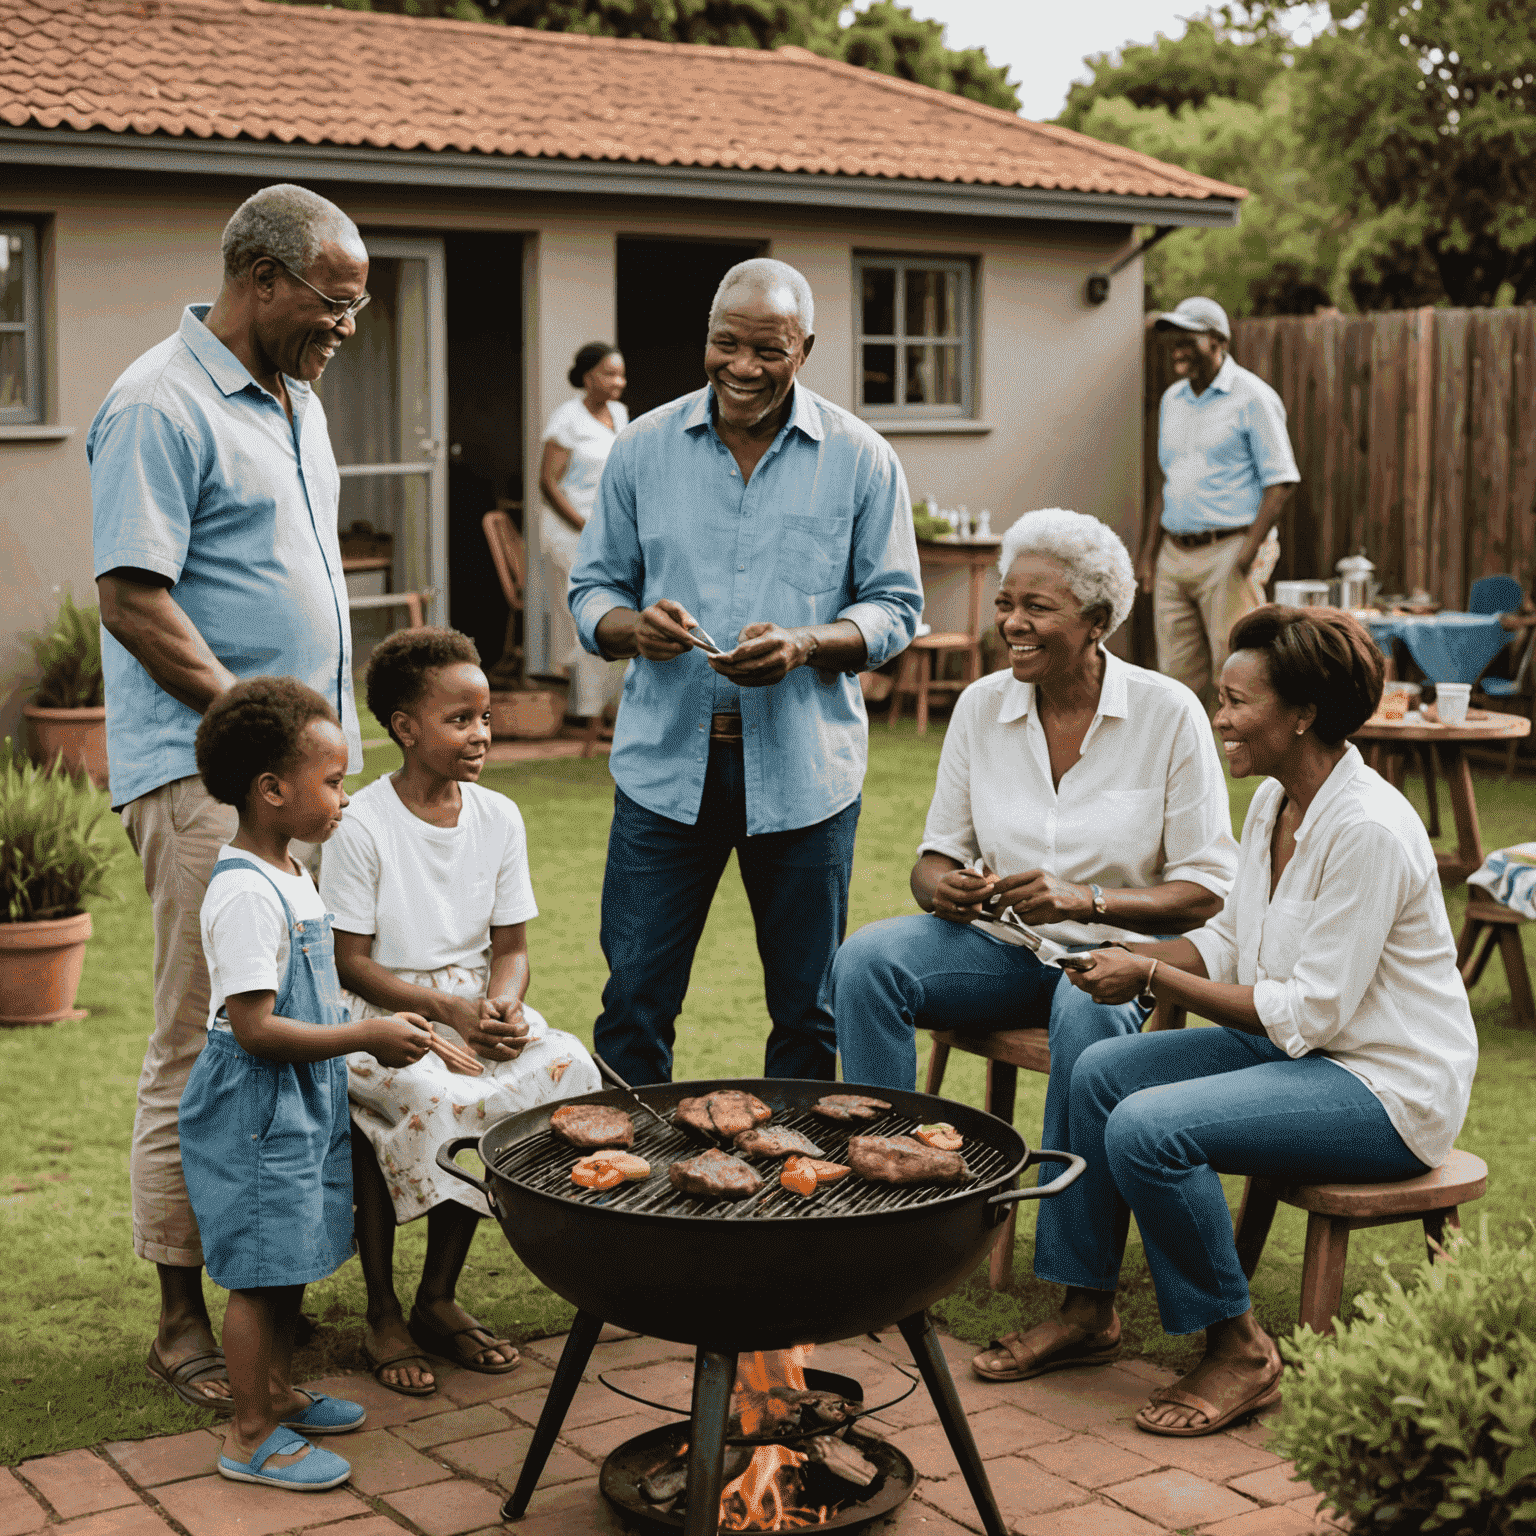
1082	792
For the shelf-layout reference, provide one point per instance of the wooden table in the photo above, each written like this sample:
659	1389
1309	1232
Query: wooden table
1448	743
978	556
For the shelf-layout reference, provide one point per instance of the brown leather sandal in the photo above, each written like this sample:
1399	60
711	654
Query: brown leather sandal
183	1377
1265	1395
1066	1347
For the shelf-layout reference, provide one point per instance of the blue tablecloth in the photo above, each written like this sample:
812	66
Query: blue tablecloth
1448	647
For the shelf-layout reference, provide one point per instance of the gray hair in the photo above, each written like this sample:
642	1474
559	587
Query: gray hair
289	223
765	275
1092	556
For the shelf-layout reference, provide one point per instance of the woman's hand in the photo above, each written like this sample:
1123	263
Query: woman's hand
500	1032
1109	975
959	895
399	1041
460	1014
1039	897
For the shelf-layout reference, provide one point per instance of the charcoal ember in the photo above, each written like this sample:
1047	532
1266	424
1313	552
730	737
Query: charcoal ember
848	1106
714	1175
904	1160
721	1115
776	1141
590	1126
842	1460
785	1412
666	1483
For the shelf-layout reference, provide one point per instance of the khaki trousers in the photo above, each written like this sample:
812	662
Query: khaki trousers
177	831
1197	597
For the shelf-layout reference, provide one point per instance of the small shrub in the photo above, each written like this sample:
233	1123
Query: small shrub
55	849
68	657
927	523
1421	1416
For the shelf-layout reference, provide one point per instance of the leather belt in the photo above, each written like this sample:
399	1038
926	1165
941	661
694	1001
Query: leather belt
725	728
1200	540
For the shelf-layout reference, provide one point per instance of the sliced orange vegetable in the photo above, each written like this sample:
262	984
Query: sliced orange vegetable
827	1173
799	1176
941	1135
595	1173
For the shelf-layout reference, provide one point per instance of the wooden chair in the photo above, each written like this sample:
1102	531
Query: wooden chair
510	557
1515	694
414	603
1005	1052
1495	924
1336	1210
915	675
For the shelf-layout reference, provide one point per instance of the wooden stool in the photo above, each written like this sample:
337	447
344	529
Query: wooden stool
1494	923
1006	1050
1336	1210
915	674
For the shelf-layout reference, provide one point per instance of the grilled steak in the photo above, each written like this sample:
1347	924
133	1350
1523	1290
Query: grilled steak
848	1106
776	1141
904	1160
590	1126
723	1114
713	1175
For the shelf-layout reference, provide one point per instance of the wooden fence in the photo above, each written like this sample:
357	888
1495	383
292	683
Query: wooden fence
1415	435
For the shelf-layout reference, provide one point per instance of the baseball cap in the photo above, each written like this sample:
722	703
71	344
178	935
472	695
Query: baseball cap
1197	315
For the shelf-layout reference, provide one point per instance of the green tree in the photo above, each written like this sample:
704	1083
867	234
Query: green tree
889	38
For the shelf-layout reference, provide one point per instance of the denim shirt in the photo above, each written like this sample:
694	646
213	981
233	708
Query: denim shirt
198	475
822	531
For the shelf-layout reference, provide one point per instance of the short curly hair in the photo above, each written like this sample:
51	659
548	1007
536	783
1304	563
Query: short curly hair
1091	554
400	667
255	728
1317	656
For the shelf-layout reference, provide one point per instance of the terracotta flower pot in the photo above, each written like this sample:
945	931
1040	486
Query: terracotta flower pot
40	969
79	736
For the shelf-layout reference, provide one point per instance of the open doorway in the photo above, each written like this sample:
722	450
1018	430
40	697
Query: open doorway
664	290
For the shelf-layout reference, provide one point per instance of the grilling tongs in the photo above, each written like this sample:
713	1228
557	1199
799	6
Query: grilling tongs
618	1082
1009	928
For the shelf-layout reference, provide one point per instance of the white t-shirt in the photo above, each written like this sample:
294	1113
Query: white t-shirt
429	895
245	935
574	428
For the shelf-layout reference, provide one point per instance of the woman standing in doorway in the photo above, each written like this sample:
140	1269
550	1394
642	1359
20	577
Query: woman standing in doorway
576	445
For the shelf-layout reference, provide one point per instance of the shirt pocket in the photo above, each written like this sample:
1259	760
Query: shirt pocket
813	553
1281	937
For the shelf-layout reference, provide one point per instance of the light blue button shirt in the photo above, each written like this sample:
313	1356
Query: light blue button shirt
822	531
198	475
1220	450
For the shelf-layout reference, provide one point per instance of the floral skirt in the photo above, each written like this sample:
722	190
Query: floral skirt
407	1113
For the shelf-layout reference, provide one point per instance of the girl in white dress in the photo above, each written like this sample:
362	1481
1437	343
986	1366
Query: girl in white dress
428	879
576	445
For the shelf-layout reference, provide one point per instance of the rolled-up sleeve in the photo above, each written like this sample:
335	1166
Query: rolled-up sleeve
951	826
1269	442
145	474
887	587
1197	817
609	572
1342	947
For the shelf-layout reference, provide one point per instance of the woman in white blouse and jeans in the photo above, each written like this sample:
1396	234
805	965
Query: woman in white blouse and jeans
1348	1048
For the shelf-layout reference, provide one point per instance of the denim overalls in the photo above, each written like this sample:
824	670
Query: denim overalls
266	1145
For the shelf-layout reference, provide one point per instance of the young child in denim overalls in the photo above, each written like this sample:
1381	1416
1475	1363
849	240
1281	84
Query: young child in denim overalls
265	1133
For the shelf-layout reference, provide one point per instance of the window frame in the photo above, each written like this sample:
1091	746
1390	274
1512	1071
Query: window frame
30	326
962	267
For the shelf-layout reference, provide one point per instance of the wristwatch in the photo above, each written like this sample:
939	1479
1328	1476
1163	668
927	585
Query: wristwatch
1100	906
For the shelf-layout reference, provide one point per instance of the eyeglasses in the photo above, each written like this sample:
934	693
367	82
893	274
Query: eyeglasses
341	309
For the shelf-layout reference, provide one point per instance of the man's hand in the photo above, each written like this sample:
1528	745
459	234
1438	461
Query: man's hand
661	631
1039	897
1248	554
764	654
1146	573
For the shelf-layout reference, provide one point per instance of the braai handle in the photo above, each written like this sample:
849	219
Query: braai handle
1076	1169
445	1160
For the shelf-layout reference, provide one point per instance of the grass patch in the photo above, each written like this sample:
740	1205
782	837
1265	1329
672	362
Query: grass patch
79	1309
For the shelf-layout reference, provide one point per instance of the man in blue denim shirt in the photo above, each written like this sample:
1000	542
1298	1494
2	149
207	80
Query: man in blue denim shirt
214	492
761	515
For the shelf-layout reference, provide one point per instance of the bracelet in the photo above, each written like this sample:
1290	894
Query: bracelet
1145	997
815	646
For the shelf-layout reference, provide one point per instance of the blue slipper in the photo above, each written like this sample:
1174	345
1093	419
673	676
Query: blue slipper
319	1470
326	1415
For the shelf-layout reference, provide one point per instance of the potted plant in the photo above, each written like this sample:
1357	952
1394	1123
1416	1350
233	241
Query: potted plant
56	851
68	709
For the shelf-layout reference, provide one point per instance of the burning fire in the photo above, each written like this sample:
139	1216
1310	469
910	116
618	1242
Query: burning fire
763	1497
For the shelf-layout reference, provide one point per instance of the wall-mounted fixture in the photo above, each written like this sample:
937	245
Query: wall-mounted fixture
1096	290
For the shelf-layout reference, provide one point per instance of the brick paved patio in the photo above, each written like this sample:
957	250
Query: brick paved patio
1062	1453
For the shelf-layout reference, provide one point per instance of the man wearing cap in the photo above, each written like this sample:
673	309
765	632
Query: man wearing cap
1209	544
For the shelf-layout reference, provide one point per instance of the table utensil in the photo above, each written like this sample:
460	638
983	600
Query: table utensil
1010	928
618	1082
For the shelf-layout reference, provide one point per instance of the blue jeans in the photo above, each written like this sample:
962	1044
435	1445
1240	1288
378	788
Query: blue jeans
905	973
657	889
1157	1115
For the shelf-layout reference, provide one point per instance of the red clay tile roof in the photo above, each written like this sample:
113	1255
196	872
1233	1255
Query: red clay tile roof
235	69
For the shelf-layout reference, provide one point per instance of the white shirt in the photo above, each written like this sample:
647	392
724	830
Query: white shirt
245	935
1146	801
429	895
574	428
1353	955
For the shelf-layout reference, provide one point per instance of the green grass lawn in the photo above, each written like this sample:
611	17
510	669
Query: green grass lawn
79	1307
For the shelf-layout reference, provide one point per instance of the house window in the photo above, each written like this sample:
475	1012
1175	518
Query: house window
915	336
21	384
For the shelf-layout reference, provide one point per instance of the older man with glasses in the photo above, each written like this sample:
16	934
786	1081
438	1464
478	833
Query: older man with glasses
215	497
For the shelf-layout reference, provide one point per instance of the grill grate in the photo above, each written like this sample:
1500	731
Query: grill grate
542	1162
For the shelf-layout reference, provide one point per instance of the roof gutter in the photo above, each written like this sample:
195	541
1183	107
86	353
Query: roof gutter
444	169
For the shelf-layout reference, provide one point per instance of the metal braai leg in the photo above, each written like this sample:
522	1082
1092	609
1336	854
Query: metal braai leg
924	1344
714	1379
573	1361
